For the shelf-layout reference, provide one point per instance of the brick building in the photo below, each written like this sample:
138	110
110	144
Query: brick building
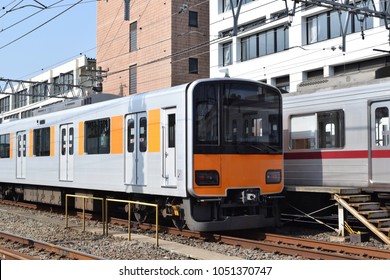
147	45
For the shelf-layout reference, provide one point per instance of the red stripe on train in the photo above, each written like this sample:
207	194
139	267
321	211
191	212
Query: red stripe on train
336	154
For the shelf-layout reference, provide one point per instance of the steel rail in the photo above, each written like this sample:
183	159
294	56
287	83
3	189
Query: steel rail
70	253
7	254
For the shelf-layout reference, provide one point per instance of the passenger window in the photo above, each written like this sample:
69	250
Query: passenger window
382	133
97	136
41	142
4	146
318	131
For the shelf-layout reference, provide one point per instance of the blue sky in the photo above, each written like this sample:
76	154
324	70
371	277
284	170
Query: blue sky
54	43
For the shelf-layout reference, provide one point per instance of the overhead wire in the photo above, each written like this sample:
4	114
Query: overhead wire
41	25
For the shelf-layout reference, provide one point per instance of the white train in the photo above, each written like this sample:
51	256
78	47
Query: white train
339	137
209	153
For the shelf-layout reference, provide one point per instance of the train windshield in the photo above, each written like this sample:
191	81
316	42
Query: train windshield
237	117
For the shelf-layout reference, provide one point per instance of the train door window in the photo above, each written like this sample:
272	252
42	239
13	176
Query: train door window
4	146
63	141
130	135
41	146
71	141
142	134
97	136
382	133
331	129
171	130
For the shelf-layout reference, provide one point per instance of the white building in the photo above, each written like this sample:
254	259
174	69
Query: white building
19	99
286	51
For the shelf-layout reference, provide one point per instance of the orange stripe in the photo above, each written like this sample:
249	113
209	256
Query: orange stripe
117	135
238	171
154	131
81	138
11	145
31	143
52	141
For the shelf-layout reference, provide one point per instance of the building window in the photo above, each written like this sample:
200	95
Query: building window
133	79
41	145
39	92
193	65
97	136
283	84
133	36
4	104
193	19
227	54
264	43
4	146
322	130
19	99
327	25
64	83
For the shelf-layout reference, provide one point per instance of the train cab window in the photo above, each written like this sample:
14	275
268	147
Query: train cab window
206	115
97	136
41	146
4	146
318	130
382	132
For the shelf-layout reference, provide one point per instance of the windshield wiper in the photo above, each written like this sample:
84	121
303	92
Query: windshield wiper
263	148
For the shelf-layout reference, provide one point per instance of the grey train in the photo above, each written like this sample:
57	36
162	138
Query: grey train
339	136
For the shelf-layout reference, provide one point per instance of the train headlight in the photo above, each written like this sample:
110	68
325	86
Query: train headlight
273	176
206	178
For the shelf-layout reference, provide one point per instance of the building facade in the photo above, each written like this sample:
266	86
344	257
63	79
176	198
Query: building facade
148	45
18	99
289	51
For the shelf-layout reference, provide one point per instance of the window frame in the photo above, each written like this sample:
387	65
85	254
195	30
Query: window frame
319	140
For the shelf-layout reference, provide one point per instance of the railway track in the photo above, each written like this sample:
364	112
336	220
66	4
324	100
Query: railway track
305	248
51	249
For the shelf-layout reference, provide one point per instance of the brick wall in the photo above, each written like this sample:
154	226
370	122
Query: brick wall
162	33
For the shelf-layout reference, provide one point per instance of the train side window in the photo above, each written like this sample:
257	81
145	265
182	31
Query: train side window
303	132
41	146
97	136
318	130
142	134
130	136
4	146
382	133
331	129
